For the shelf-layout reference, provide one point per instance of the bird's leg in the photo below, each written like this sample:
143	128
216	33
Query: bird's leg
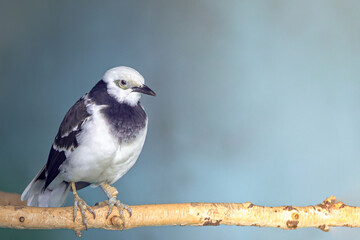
112	193
81	204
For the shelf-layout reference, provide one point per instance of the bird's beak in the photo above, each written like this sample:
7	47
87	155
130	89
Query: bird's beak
144	89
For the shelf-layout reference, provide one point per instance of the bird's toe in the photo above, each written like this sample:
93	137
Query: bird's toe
82	206
120	206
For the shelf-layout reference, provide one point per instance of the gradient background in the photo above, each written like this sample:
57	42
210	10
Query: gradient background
257	101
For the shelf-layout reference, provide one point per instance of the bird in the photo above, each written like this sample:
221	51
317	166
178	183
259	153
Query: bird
98	141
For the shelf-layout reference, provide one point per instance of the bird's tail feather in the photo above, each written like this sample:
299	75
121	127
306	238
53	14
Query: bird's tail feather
37	196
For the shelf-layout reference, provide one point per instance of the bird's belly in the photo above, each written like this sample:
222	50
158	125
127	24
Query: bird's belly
101	157
124	158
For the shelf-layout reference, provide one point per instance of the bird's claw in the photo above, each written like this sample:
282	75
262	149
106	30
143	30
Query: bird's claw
81	204
120	206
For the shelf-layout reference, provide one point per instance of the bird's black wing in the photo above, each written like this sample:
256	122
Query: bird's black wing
65	140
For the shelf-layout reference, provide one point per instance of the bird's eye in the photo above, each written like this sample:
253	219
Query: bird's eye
121	83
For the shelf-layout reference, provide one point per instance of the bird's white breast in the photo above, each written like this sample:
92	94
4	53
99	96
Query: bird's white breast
100	157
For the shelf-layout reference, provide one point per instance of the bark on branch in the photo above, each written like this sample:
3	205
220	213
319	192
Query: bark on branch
13	214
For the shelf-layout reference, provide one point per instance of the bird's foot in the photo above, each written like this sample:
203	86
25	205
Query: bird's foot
112	193
81	204
120	206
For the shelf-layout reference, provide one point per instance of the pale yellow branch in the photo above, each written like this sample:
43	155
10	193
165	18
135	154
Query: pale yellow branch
327	214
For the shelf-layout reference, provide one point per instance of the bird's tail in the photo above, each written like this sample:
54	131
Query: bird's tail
37	196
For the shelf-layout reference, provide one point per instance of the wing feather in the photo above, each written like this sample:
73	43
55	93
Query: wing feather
66	138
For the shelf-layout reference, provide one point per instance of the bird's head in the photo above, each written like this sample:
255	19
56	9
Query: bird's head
126	84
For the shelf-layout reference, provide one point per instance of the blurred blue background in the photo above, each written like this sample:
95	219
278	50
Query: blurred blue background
256	101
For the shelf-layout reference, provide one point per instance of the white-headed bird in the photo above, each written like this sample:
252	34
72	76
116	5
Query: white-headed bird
99	140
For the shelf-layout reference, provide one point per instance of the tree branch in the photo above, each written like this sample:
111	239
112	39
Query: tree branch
327	214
